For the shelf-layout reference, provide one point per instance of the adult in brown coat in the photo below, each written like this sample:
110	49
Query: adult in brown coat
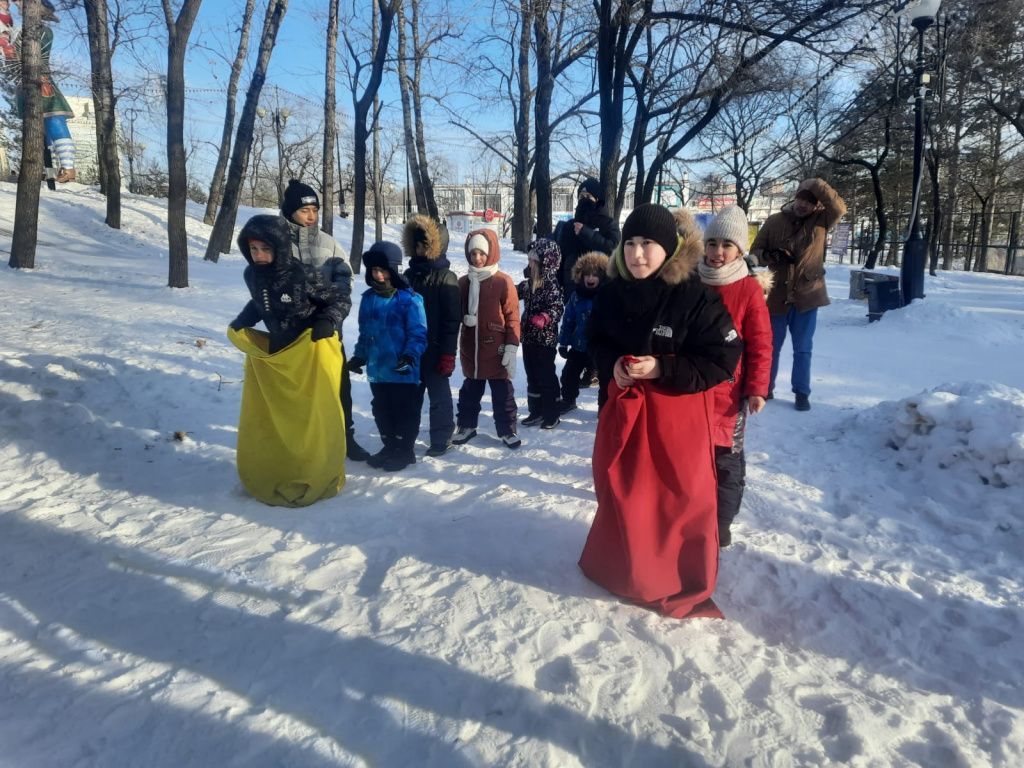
489	341
791	244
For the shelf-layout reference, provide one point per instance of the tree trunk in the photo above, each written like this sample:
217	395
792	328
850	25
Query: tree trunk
542	120
378	181
362	105
330	119
178	32
417	113
522	218
217	184
220	237
405	86
611	44
26	206
97	19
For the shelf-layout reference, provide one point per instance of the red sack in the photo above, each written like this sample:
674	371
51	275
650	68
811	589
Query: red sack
654	539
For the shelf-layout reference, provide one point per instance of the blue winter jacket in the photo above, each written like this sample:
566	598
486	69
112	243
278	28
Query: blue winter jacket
390	328
575	320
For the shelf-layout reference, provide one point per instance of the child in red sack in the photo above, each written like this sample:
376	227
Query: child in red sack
725	271
661	340
541	294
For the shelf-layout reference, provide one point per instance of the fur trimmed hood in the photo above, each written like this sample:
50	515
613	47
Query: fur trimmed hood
422	228
677	269
592	262
686	224
765	279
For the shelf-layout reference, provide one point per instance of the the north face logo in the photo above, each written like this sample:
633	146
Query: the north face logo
731	335
663	330
286	299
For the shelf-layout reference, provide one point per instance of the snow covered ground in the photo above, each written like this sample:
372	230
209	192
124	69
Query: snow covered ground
151	614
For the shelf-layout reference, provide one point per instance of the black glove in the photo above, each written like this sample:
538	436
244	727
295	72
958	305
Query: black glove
405	364
355	364
236	326
322	329
563	352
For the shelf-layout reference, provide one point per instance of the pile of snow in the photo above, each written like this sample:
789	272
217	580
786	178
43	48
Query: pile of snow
973	429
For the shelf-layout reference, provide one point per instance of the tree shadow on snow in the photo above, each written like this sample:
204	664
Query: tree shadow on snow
947	645
351	689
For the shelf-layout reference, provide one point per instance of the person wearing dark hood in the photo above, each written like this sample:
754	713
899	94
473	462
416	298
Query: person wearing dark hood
315	248
425	242
591	229
791	243
286	296
392	339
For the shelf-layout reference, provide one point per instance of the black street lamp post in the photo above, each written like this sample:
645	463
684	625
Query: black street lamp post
922	15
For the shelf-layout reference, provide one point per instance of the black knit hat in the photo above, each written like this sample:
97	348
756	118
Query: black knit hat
655	222
296	196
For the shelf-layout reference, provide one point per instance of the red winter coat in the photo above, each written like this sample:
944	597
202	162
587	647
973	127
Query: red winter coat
654	539
481	347
746	303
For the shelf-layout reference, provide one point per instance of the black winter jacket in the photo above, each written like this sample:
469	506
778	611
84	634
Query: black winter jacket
670	315
430	276
286	295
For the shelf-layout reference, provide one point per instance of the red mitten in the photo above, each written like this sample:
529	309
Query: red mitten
539	321
446	365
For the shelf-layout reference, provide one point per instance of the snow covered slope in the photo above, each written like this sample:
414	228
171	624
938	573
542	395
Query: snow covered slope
151	614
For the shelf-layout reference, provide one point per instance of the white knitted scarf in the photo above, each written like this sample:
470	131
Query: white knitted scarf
476	276
723	275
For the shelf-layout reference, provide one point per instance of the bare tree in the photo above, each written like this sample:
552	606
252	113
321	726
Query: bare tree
330	118
26	206
372	59
178	31
100	52
572	30
220	237
217	182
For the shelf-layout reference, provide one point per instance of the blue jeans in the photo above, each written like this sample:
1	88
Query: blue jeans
801	325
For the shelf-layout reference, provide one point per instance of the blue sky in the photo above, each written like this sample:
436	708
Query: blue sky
297	68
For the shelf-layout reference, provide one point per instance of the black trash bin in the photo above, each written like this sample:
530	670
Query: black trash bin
883	294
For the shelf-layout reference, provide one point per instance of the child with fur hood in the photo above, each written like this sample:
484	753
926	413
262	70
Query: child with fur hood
392	338
588	275
489	341
725	270
315	248
425	242
286	296
541	294
661	341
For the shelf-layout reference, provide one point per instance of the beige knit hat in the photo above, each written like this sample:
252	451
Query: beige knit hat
730	224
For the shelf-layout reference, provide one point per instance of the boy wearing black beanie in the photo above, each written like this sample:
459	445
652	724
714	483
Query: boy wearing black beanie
310	245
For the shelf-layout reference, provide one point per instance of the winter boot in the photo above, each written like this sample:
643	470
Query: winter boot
440	449
535	417
724	533
551	424
354	450
378	459
512	441
401	457
564	406
463	435
803	402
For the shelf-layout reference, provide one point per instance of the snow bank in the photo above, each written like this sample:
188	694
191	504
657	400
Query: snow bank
973	429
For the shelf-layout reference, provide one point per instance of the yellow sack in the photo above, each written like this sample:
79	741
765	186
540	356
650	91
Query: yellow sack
291	431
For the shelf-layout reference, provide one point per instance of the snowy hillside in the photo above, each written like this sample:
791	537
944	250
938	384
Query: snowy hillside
152	614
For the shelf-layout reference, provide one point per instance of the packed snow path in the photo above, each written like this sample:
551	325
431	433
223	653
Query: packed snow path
151	614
